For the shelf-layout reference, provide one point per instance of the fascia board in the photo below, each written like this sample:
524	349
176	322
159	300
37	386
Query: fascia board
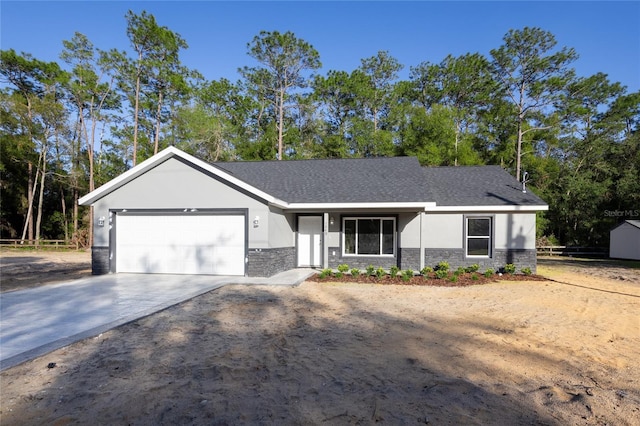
164	155
519	208
388	205
125	177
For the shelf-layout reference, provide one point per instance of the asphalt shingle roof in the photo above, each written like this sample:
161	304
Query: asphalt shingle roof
477	186
395	179
370	180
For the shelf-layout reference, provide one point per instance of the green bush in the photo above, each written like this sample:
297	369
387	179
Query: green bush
453	278
380	273
407	274
510	268
370	269
473	268
339	274
475	277
526	271
393	271
441	274
459	271
489	272
343	268
426	270
355	272
325	273
442	266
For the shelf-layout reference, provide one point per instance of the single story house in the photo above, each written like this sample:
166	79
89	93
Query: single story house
175	213
625	240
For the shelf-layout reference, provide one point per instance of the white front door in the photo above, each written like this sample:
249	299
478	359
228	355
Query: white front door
310	241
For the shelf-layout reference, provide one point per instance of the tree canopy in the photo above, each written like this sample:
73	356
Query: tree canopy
71	126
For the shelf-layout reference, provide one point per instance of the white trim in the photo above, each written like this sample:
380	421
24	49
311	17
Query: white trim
423	206
489	237
159	158
488	209
382	219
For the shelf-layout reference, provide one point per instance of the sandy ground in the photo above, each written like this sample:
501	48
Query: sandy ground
21	269
556	353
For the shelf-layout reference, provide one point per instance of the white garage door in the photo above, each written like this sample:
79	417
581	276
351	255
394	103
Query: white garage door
180	244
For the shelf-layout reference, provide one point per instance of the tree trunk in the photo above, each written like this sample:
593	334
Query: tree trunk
135	114
41	196
280	122
65	222
157	136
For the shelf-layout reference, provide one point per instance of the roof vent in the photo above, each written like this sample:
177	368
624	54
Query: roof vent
525	175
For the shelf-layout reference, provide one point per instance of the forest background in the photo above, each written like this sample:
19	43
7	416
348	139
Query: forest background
68	126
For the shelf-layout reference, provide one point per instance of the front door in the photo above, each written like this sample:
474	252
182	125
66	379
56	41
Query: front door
310	241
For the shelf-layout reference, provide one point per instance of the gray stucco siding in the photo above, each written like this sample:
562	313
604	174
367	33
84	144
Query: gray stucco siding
510	230
175	185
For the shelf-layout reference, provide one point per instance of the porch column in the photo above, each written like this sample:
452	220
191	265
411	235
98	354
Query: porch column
325	237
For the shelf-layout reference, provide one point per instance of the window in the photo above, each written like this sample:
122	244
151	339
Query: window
369	236
478	236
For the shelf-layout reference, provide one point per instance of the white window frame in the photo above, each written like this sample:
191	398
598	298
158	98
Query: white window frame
489	237
382	219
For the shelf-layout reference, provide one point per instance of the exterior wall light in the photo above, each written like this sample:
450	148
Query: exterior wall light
331	221
256	221
101	221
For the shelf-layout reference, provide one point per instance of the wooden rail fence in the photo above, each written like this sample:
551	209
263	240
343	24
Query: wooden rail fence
38	244
572	251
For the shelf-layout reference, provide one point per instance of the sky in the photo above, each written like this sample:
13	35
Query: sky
606	35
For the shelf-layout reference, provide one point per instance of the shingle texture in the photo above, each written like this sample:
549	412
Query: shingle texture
371	180
397	179
476	186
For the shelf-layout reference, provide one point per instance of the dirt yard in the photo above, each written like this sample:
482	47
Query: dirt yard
559	352
20	269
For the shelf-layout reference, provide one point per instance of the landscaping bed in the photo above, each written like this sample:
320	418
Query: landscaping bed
440	277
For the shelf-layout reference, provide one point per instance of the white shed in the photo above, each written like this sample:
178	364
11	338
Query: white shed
625	240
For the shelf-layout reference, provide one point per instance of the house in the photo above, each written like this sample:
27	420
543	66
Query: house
625	240
174	213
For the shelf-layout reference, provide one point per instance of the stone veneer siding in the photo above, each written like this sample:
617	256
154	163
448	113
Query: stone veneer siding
406	259
521	258
270	261
100	260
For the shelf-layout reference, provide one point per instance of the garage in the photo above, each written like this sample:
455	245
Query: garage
180	243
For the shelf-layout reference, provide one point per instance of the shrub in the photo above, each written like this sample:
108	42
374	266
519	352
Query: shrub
325	273
442	266
510	268
426	270
339	274
473	268
441	273
407	274
526	271
453	278
475	277
370	270
489	272
393	271
380	273
343	268
355	272
459	271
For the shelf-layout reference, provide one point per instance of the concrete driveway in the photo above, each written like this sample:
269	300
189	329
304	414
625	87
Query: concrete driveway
36	321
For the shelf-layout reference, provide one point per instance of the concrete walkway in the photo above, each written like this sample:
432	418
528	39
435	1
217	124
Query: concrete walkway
37	321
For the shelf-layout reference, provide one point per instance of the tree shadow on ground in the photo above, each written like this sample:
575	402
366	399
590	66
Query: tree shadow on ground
261	355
